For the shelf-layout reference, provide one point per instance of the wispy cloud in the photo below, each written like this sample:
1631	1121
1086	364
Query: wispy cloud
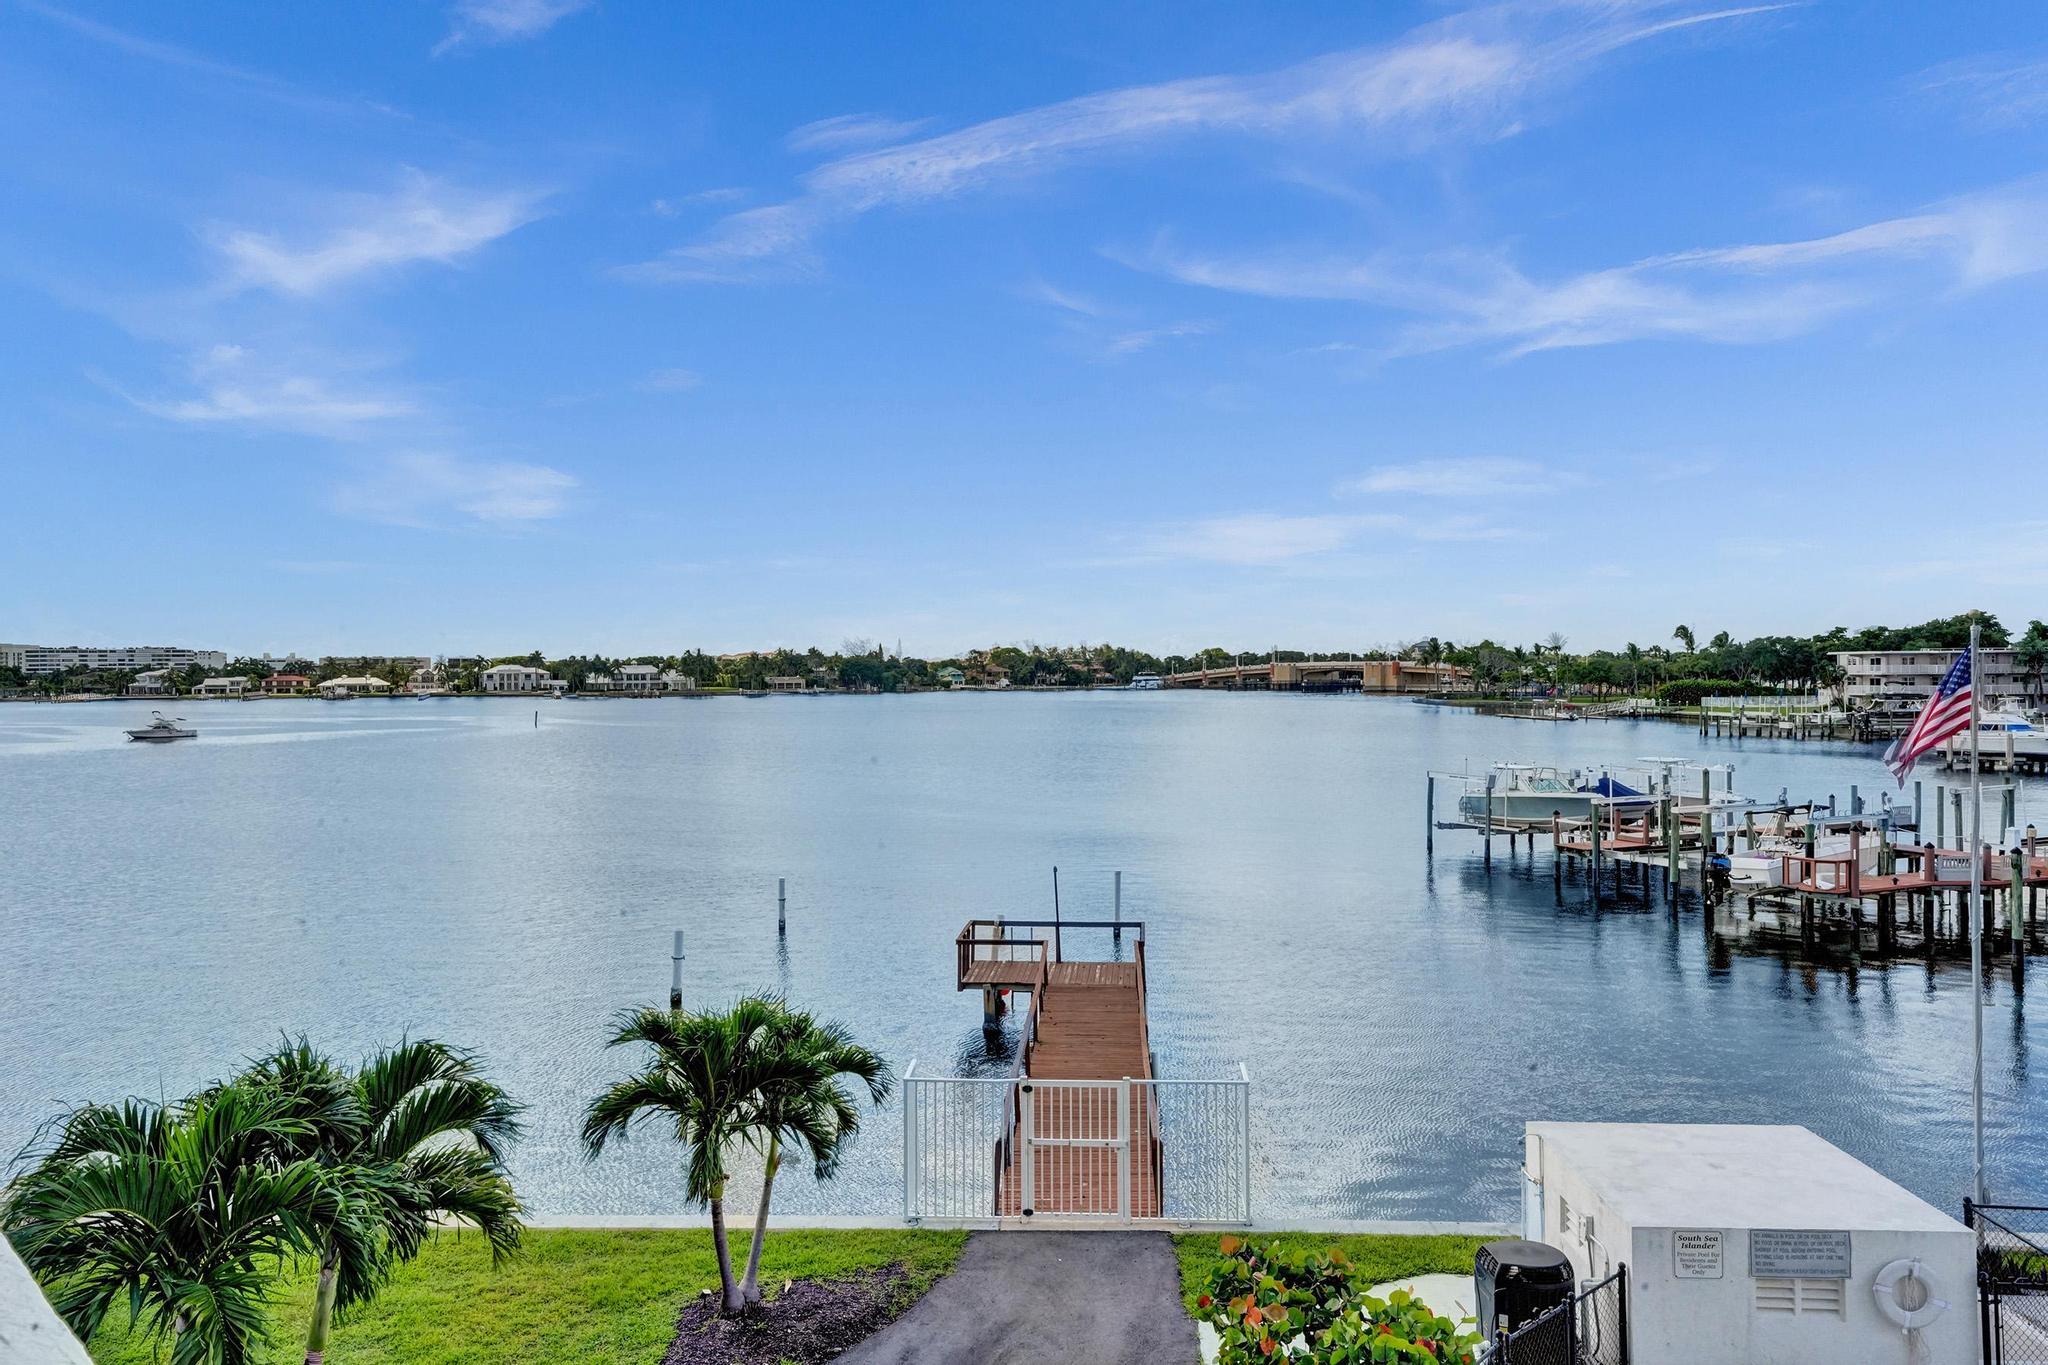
214	72
675	379
1255	539
503	21
1145	338
1739	294
236	387
851	130
672	205
1473	478
364	234
1464	77
321	567
2007	554
426	489
1066	300
1999	90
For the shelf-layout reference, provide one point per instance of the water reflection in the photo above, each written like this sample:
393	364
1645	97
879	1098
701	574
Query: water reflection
465	874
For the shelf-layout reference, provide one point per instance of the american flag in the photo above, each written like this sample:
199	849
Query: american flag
1946	713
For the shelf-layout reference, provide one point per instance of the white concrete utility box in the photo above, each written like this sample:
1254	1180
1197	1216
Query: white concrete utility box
1753	1245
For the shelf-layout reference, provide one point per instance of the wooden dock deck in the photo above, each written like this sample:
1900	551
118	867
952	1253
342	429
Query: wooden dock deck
1084	1100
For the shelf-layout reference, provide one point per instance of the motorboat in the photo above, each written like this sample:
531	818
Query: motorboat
1147	682
162	731
2002	734
1526	795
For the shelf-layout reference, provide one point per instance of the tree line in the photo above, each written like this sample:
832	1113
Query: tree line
1766	661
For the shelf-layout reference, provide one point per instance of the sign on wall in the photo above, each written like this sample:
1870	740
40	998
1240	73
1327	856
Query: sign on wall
1799	1254
1696	1255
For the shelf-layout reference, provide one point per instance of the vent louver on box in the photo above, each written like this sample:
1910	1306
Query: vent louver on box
1775	1295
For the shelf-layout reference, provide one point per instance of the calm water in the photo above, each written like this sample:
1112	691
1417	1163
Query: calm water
365	870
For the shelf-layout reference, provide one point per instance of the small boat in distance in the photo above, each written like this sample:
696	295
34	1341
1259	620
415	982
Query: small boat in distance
1147	682
162	731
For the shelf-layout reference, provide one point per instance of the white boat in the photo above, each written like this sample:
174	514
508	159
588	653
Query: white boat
1526	795
1147	682
1764	865
162	731
2005	733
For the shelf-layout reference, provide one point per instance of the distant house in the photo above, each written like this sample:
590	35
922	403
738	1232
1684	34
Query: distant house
789	683
594	681
425	678
519	680
340	689
234	686
155	683
286	684
950	676
640	680
673	681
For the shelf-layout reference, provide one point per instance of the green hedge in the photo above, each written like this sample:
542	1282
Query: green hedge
1693	691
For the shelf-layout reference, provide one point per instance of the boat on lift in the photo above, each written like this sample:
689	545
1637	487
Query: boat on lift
162	731
1528	795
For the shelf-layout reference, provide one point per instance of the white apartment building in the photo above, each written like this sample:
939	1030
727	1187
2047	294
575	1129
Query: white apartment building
44	659
519	680
1870	674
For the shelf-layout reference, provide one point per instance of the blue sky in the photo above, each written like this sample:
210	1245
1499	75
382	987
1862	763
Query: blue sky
528	323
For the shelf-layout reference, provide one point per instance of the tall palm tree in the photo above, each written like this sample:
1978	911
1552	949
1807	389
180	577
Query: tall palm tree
413	1137
175	1210
800	1101
1684	636
702	1078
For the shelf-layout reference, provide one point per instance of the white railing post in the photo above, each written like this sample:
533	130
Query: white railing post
1024	1147
911	1164
1123	1155
1244	1133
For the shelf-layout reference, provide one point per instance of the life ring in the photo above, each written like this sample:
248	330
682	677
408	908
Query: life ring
1906	1282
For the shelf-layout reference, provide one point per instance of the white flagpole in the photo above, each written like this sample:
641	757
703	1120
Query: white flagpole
1978	913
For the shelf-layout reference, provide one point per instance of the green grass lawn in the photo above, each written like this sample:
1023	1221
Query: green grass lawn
568	1298
1375	1257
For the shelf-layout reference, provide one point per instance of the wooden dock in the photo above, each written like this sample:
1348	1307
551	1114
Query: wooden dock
1084	1107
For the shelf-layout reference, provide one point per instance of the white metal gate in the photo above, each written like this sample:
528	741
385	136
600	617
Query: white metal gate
1076	1151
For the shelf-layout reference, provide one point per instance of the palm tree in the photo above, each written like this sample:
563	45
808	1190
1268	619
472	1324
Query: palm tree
800	1101
414	1137
1684	636
1634	653
703	1078
177	1210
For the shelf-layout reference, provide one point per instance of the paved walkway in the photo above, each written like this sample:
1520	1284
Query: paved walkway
1103	1298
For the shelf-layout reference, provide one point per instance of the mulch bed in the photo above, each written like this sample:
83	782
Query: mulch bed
809	1321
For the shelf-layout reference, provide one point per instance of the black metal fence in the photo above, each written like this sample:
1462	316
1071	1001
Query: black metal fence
2012	1281
1589	1328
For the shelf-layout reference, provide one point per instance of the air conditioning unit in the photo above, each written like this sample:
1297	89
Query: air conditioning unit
1753	1244
1514	1281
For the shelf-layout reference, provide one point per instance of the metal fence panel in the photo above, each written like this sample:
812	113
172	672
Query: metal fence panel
1589	1328
1201	1134
956	1144
2012	1281
1111	1151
